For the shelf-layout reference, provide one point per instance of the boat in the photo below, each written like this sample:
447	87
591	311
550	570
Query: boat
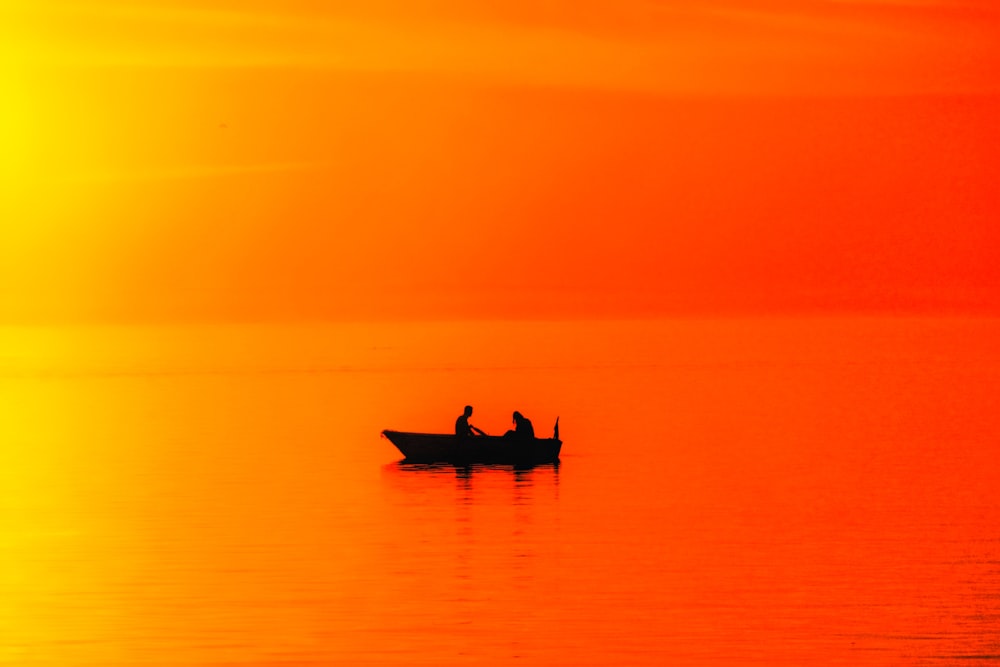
450	448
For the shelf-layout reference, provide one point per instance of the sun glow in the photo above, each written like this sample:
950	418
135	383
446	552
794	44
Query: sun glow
213	161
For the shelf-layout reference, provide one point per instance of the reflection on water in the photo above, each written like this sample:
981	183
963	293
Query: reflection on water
523	478
522	472
751	492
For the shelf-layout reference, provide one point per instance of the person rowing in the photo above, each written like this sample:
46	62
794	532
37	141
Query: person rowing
462	426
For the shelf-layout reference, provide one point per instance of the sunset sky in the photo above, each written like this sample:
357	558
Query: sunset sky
250	160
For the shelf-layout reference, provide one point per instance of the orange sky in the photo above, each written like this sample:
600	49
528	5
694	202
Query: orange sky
254	160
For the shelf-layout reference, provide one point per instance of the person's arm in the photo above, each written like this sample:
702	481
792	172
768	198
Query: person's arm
479	431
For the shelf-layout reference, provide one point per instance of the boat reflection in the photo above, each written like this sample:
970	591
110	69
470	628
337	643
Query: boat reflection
468	470
478	482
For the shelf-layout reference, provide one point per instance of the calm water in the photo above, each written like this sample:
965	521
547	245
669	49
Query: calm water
816	491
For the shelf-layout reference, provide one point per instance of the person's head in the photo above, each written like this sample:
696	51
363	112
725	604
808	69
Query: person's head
518	416
468	411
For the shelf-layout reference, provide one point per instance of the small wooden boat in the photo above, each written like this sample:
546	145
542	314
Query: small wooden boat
449	448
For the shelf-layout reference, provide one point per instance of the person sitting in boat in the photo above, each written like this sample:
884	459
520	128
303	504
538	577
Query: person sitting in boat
462	426
522	428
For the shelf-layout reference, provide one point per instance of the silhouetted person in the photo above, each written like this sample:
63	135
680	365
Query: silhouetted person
463	427
523	430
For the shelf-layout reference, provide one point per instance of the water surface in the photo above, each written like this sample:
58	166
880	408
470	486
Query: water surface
799	491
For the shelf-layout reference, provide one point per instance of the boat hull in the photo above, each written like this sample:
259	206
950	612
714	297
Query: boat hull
445	448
